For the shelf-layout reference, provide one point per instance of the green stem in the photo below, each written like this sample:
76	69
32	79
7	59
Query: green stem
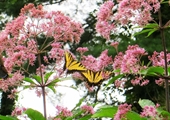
165	58
43	87
44	101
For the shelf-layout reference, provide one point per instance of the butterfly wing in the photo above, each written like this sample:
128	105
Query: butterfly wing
72	65
93	78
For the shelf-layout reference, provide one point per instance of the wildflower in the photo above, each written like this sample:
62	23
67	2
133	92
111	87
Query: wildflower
160	81
88	109
18	111
122	110
82	49
64	112
115	45
149	111
104	18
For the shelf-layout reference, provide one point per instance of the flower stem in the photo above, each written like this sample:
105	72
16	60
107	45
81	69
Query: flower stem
44	101
165	58
42	87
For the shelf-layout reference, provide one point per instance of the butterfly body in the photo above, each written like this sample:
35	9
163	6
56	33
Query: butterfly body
72	65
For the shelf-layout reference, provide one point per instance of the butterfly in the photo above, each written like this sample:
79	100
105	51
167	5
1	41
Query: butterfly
72	65
3	71
94	78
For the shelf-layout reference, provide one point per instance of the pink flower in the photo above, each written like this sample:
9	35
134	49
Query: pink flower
104	60
130	61
88	109
160	81
120	83
128	12
18	111
36	32
104	20
97	64
143	10
13	94
149	111
139	81
122	110
115	44
82	49
90	62
157	59
63	111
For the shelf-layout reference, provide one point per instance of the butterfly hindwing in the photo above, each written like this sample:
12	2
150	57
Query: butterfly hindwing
93	78
72	65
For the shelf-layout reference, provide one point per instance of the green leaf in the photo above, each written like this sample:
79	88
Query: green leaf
7	118
29	80
153	71
152	25
87	117
53	83
113	79
152	31
27	86
149	28
37	78
47	75
110	111
143	31
52	88
76	114
163	113
34	114
79	103
145	102
105	111
169	71
134	116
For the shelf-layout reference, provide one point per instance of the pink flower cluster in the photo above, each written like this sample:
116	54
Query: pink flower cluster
97	64
104	20
82	50
88	109
19	38
18	111
63	112
15	80
129	63
136	11
150	111
128	11
139	81
122	110
157	59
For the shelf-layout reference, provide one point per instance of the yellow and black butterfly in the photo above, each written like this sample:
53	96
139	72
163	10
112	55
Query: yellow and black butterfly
72	65
94	78
3	71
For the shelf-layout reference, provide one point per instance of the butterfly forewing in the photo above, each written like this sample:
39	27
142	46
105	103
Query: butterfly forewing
72	65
